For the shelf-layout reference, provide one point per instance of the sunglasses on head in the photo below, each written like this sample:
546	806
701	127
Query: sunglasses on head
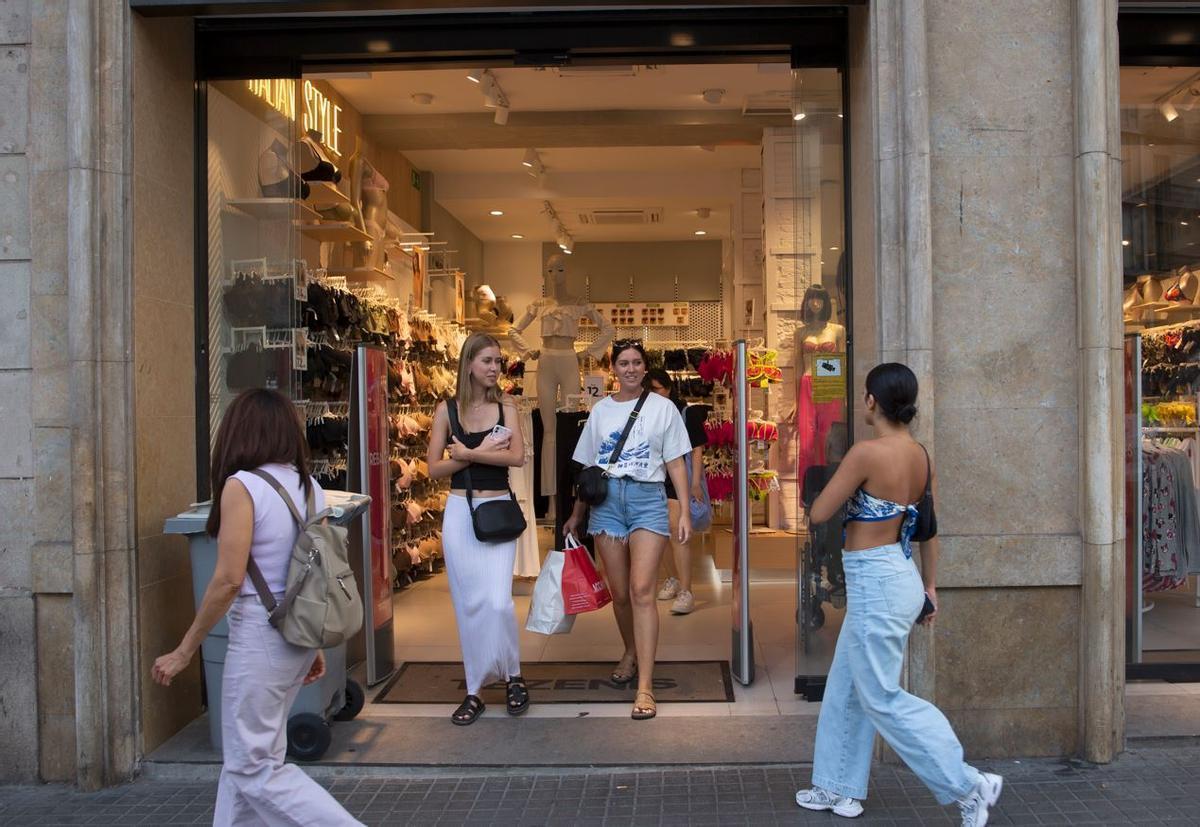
621	344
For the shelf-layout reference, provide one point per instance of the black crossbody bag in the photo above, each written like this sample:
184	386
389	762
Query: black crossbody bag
495	521
591	485
926	528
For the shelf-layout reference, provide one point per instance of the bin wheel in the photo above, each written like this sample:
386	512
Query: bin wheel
356	698
308	736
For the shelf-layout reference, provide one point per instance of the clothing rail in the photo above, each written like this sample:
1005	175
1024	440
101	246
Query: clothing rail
1192	429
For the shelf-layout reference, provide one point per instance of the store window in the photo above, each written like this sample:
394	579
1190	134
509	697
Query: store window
1160	140
557	208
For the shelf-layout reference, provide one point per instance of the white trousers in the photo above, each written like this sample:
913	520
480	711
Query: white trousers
263	675
557	378
480	576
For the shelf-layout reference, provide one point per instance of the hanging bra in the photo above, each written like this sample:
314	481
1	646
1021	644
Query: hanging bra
821	347
867	508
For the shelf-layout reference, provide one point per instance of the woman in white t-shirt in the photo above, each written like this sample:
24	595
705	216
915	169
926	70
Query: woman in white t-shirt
260	432
631	526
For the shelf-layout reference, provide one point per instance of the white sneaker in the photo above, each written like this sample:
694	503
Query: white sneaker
974	806
669	589
684	604
819	799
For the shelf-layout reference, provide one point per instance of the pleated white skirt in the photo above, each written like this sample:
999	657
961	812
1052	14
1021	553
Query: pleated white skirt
480	577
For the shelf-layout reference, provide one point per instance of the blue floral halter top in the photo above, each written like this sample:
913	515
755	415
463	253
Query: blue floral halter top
867	508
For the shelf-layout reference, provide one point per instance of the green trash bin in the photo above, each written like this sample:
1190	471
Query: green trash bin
334	697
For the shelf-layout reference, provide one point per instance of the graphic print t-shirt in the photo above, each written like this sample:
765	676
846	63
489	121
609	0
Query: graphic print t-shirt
658	437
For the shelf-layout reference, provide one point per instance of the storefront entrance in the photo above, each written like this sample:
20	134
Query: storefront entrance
684	183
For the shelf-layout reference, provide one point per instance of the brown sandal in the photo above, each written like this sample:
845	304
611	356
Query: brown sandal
642	712
624	678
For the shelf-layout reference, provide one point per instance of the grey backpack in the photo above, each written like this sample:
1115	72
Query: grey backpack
321	606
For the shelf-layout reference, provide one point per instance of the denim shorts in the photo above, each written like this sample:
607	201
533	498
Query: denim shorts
631	505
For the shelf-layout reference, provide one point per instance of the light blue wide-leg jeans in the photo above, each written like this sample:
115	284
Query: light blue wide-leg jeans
884	595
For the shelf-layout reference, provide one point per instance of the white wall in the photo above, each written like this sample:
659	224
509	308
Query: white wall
514	270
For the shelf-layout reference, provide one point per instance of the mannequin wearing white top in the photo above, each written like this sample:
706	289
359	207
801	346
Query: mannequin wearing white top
558	373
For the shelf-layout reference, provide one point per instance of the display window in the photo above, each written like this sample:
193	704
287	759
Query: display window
561	208
1160	217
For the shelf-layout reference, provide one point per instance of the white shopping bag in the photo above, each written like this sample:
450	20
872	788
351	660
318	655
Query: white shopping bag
547	613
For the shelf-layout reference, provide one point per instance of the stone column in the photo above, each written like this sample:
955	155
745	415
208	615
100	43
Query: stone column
1102	448
903	251
98	322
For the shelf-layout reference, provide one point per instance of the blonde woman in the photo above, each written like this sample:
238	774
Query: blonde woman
480	573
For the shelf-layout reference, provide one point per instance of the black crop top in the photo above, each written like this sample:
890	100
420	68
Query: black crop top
483	477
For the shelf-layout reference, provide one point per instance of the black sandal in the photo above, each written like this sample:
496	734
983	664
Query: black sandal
518	696
470	709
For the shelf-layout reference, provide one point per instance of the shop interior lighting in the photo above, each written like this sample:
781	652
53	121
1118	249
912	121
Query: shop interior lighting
1125	242
422	98
798	111
496	212
493	95
701	232
533	164
501	116
475	75
713	96
531	157
1186	96
703	212
517	236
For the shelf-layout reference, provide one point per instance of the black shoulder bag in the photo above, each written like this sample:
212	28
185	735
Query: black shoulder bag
591	485
495	521
926	528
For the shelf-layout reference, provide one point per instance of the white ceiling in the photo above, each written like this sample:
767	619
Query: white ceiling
676	179
548	90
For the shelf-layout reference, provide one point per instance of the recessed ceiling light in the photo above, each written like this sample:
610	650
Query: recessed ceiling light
1125	242
713	96
1183	223
496	212
833	248
1143	203
840	115
517	236
422	98
701	232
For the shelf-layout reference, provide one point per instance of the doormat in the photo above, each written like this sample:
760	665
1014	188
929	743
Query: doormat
563	682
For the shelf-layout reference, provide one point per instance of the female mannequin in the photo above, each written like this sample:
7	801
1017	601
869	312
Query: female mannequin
558	364
817	337
371	197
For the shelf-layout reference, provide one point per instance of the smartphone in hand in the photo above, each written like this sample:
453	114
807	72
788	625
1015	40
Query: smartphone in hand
926	610
500	432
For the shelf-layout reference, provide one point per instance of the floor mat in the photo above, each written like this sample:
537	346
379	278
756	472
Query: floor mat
563	682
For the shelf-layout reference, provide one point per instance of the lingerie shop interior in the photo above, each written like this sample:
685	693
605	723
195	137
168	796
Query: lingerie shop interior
1160	136
559	209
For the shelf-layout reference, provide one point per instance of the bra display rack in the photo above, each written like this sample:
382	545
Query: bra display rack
422	350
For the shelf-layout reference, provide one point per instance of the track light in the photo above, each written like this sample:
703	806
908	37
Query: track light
475	75
1168	111
501	116
533	164
798	111
531	157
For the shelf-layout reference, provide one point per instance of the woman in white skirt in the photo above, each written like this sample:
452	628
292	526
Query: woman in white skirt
480	573
263	672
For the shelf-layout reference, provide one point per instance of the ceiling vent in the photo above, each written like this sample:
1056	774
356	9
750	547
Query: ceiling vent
599	71
614	217
768	105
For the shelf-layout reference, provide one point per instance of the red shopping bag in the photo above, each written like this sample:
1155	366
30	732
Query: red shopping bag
584	590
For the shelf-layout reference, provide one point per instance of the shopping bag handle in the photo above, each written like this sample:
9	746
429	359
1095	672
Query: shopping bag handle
569	541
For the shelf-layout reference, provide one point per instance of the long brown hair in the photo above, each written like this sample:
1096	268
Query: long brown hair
471	348
260	427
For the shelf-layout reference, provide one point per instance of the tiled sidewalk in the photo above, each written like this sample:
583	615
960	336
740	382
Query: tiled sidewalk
1149	784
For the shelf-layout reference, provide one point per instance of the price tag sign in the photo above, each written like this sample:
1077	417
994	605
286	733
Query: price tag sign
593	388
829	378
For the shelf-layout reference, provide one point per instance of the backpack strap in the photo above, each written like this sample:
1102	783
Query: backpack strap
275	609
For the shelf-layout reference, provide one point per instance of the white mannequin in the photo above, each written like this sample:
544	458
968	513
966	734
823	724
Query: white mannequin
558	364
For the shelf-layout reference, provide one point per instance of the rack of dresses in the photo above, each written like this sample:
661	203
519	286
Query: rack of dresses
1170	508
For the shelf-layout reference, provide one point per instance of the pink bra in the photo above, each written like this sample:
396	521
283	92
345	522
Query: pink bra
823	347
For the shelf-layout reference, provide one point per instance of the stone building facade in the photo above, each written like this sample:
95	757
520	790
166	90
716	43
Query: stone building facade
987	240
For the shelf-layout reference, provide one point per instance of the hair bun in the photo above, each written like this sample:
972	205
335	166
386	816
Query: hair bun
906	413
